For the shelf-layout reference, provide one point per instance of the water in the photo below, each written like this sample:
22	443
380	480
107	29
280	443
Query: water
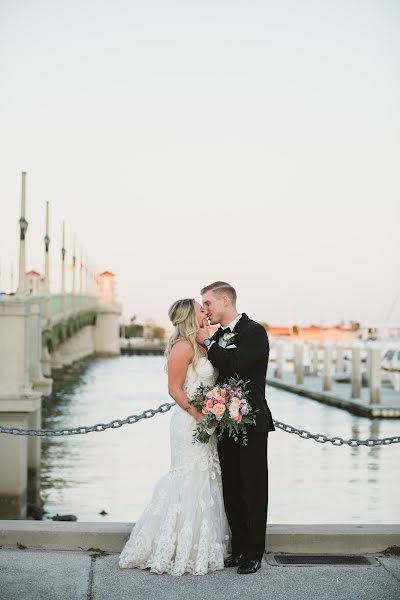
116	470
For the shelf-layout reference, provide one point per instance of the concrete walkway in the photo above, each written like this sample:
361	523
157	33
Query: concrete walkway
71	575
46	560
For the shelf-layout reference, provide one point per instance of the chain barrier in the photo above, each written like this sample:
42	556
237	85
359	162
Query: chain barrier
163	408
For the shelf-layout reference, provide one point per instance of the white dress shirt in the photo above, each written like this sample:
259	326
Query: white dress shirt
231	325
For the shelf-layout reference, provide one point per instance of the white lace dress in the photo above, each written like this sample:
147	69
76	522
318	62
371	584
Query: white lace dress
184	528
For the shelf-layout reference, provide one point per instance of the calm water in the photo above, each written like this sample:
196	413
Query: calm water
115	470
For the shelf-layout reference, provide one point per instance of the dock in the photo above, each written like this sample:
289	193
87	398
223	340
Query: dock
143	350
340	395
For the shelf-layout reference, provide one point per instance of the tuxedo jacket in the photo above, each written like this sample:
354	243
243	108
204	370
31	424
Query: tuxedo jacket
248	361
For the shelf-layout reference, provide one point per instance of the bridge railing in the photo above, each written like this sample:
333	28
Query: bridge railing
58	307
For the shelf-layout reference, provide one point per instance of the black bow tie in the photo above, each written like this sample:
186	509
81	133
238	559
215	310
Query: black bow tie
221	331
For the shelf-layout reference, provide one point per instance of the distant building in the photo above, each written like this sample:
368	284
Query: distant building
106	287
34	282
312	333
148	329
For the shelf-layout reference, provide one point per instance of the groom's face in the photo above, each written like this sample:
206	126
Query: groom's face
214	306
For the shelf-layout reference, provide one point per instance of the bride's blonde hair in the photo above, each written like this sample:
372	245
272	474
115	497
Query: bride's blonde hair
182	314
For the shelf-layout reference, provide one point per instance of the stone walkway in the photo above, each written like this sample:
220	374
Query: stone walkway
71	575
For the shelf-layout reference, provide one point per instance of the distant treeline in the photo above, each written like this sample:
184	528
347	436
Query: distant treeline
137	330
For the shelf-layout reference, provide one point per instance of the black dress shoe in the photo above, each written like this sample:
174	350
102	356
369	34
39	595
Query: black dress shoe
233	560
249	566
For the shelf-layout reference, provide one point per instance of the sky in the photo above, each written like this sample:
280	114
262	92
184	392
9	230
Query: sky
184	142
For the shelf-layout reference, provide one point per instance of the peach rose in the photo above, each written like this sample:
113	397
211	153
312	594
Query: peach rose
218	411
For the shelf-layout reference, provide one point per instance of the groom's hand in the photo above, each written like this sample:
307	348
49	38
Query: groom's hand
202	333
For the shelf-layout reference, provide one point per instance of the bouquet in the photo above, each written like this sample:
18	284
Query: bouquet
224	407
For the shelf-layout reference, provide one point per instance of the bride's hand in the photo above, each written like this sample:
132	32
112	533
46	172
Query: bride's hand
199	416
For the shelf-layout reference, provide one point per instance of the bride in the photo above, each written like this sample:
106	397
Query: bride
184	528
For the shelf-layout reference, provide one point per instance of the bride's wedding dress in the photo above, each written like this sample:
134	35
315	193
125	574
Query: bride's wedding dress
184	528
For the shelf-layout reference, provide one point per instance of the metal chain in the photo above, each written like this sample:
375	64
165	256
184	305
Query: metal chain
163	408
336	441
147	414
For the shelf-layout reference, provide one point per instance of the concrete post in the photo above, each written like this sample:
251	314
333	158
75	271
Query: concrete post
327	377
298	362
13	467
314	358
106	330
375	376
356	370
366	376
17	401
37	380
339	366
279	359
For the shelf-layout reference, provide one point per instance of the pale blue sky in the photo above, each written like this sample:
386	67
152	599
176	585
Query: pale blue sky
188	141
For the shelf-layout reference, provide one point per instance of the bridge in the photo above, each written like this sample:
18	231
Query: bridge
42	332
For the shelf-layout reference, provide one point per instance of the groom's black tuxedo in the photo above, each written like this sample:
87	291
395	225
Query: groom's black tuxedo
248	361
245	468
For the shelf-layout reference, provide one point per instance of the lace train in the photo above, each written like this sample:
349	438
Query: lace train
184	528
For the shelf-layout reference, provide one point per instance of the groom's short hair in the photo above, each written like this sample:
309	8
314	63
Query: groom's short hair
221	287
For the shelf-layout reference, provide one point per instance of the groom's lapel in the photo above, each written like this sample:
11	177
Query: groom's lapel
241	324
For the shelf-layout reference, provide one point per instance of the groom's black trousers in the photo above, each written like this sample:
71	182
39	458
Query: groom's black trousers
245	487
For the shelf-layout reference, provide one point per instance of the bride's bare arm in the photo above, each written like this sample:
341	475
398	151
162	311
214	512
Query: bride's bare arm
178	362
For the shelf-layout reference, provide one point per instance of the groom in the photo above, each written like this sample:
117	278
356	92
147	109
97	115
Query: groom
244	468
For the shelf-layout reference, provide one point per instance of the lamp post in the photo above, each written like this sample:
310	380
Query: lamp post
63	269
73	270
46	253
47	268
23	226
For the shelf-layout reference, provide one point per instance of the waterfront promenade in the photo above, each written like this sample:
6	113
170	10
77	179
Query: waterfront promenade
68	575
40	569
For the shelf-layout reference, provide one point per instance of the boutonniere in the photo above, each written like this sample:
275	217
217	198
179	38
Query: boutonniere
229	338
